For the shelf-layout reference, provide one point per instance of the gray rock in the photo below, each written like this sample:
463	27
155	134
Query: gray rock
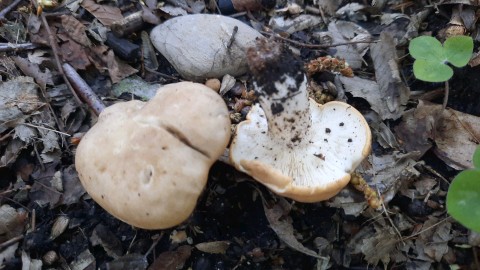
200	46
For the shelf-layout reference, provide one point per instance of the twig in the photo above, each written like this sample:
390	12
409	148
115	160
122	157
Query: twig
445	97
467	128
155	242
6	10
390	220
475	257
53	45
8	47
162	74
83	89
314	46
49	129
426	229
11	241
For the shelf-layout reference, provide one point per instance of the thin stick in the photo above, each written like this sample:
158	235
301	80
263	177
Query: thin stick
8	47
49	129
314	46
83	89
53	45
6	10
11	241
445	97
426	229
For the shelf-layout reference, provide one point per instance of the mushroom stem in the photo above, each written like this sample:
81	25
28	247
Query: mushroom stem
281	86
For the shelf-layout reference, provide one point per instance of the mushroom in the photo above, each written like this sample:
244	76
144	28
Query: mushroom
294	146
147	163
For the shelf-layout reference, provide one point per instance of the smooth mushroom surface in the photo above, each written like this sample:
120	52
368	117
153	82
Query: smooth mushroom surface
296	147
147	163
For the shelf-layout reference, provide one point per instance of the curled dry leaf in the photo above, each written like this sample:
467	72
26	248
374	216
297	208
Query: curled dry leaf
19	98
12	222
456	134
107	15
393	91
284	229
215	247
172	260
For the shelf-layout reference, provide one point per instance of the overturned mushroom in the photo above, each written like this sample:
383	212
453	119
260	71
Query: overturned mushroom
294	146
147	163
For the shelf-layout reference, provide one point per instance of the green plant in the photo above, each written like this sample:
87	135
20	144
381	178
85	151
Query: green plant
431	57
463	197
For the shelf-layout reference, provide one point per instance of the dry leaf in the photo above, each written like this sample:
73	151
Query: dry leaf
74	54
12	222
18	98
284	229
117	69
83	261
75	30
29	263
172	260
111	244
215	247
72	187
394	93
132	261
105	14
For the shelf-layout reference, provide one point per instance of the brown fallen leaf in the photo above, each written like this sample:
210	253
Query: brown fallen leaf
172	260
456	134
284	229
12	222
75	30
105	14
215	247
393	91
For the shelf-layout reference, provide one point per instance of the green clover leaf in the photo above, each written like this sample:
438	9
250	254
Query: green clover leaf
463	199
431	57
476	159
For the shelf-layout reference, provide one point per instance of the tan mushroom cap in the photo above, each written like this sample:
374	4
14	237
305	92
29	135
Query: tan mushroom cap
147	163
314	171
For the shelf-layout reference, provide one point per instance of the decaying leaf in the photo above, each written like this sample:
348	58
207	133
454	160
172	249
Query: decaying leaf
378	244
394	93
172	260
433	240
8	254
43	78
370	91
37	57
133	261
111	244
72	188
417	128
104	13
456	134
284	229
83	261
292	25
18	98
215	247
42	191
12	222
117	68
29	263
75	30
135	85
343	31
